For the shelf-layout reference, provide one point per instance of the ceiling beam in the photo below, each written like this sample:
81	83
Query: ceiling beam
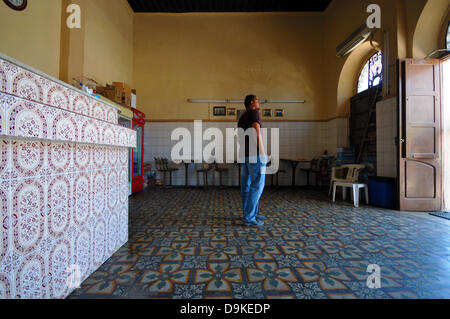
228	5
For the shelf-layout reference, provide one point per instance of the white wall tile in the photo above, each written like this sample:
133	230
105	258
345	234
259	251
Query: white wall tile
297	139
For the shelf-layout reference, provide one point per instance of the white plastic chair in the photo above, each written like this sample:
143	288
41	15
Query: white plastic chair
352	174
351	181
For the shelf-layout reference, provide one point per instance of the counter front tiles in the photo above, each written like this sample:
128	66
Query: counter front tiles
63	184
25	119
41	88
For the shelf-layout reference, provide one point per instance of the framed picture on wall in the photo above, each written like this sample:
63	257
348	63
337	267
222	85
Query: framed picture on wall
231	112
220	111
267	112
279	113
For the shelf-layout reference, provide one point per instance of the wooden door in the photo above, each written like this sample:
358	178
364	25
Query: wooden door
420	175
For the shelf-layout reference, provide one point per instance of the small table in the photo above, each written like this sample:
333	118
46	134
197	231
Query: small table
186	168
294	163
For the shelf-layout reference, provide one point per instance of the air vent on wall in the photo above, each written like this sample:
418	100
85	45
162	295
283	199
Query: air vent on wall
438	54
354	40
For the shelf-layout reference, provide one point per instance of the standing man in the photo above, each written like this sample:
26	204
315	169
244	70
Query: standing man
254	168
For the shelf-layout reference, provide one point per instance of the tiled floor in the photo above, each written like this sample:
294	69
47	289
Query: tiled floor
189	243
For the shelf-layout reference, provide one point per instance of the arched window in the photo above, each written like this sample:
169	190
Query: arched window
371	74
448	37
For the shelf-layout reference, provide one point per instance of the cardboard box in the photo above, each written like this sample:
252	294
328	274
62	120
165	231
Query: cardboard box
126	99
122	87
110	92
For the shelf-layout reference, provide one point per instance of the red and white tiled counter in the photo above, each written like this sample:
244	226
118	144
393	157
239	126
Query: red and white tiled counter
63	183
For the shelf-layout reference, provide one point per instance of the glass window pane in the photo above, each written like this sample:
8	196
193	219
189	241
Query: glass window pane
137	157
376	81
363	82
375	69
371	74
448	36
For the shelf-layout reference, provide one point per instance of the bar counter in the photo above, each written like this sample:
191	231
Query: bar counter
63	183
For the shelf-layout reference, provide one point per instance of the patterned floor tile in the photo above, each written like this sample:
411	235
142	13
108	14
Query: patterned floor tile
273	278
162	281
190	244
218	277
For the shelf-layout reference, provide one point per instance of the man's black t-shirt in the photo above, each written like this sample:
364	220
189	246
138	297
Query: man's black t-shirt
245	122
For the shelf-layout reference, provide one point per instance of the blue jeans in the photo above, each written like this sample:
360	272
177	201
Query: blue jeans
252	186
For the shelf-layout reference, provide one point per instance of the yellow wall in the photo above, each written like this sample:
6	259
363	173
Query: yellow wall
428	30
341	18
176	56
72	45
32	36
227	55
108	44
413	10
103	48
201	56
172	57
403	19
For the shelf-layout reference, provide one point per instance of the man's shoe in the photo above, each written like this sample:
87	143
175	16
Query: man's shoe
260	217
257	223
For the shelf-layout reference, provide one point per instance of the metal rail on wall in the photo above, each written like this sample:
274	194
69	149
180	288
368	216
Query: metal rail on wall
262	101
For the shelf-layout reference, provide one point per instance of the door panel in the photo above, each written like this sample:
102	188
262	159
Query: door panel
422	109
415	171
421	76
424	142
420	128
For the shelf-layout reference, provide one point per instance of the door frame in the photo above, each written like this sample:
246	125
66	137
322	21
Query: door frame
443	165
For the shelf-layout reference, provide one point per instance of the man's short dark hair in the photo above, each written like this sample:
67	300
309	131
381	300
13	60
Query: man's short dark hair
248	100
